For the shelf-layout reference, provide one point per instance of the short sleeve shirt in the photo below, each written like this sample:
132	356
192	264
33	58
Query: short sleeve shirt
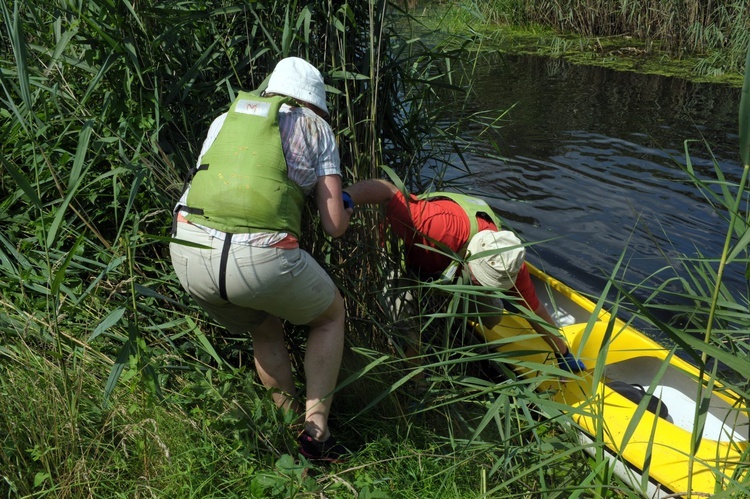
439	224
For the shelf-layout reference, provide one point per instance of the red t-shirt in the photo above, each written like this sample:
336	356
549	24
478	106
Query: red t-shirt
422	222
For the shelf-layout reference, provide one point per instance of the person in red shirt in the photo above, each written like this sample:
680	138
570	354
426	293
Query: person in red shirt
434	227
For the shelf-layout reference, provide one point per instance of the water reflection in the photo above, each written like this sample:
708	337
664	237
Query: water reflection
591	169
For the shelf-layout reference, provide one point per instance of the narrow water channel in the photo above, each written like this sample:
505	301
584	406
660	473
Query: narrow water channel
587	164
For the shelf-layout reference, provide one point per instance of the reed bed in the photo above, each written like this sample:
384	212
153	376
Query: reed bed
115	384
715	33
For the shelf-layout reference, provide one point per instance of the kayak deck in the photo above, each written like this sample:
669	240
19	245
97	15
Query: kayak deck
658	448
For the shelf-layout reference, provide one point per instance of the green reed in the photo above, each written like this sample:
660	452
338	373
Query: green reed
105	105
716	33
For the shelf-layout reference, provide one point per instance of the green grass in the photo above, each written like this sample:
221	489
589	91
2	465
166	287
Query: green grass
115	385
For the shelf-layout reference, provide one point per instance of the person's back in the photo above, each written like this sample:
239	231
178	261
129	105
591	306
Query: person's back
244	203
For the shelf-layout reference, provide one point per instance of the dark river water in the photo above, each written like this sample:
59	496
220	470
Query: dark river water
588	164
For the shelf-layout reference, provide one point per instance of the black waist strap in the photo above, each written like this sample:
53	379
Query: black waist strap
181	207
223	266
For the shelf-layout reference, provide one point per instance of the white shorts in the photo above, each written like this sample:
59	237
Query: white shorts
286	283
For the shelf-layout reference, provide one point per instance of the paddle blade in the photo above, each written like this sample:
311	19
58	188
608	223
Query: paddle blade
745	114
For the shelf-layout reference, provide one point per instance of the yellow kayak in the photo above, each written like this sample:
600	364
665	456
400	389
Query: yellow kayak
650	443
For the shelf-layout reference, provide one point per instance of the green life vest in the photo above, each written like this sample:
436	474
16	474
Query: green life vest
472	207
242	185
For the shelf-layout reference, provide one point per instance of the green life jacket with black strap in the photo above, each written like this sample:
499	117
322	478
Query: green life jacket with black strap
242	185
472	207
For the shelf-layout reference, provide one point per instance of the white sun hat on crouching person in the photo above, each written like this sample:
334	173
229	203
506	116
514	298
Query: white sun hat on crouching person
499	269
297	78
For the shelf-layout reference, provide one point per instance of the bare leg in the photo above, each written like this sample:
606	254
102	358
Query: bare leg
272	362
325	346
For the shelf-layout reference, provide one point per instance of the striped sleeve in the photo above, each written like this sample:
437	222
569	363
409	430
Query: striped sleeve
309	147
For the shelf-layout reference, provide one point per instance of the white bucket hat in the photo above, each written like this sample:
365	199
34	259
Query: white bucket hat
499	269
295	77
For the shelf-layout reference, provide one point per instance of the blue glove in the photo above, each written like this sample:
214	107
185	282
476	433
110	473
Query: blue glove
569	363
348	203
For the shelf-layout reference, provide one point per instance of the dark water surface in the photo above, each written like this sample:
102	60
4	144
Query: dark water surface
591	167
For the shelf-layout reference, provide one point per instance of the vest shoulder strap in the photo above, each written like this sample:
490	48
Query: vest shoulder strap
471	205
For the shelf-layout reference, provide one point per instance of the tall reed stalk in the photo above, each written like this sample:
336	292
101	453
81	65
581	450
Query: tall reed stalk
105	105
